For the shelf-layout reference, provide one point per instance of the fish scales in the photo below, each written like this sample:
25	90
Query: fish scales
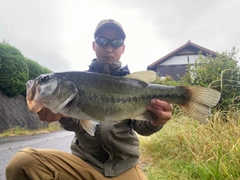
97	97
122	98
129	89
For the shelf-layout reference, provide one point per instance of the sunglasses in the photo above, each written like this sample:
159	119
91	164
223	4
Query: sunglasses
103	42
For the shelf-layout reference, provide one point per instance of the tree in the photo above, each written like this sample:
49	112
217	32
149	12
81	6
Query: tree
14	70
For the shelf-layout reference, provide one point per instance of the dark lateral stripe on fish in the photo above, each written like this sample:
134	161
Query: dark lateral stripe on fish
167	96
99	97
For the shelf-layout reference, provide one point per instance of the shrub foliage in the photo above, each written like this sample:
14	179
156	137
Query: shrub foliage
14	70
36	69
220	73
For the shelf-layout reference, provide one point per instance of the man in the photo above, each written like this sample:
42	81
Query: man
113	153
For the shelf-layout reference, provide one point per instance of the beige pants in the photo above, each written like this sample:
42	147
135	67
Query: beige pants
41	164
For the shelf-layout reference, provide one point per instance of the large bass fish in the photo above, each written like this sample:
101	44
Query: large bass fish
93	97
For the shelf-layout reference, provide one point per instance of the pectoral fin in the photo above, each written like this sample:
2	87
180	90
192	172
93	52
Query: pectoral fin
89	126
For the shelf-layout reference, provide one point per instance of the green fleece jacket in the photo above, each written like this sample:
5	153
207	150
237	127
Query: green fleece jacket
115	147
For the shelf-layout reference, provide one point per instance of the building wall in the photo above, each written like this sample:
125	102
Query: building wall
176	66
175	71
179	60
14	112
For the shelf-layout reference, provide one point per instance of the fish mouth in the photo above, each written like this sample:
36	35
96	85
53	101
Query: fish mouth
30	90
34	105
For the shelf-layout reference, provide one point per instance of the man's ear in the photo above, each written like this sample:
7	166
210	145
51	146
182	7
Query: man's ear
93	45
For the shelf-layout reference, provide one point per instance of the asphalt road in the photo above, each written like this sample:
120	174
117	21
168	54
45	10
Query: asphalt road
10	145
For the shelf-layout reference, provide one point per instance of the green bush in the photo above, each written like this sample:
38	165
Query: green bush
220	73
36	69
167	80
13	72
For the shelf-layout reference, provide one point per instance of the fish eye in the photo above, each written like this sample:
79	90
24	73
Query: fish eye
45	79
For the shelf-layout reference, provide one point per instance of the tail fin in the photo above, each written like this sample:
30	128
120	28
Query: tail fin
200	103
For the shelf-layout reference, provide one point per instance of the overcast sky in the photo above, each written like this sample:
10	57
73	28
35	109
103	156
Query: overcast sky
58	34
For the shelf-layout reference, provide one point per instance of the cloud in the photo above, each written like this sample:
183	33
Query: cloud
34	27
58	34
208	23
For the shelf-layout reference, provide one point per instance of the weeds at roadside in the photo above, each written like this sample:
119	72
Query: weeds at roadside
19	131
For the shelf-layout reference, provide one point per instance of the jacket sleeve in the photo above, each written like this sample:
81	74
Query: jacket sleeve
71	124
145	128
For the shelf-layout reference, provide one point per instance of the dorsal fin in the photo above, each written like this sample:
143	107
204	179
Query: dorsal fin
145	76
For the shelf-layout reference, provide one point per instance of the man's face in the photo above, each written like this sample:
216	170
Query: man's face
108	54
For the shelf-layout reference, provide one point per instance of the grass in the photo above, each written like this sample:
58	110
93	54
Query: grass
187	150
18	131
184	149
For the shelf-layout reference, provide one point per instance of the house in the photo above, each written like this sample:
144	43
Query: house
175	63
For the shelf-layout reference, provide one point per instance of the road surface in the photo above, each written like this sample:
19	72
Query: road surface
10	145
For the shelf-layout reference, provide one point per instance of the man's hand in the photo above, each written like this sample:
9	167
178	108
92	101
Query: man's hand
47	115
162	110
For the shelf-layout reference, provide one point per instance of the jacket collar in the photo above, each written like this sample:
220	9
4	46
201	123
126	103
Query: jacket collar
114	69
